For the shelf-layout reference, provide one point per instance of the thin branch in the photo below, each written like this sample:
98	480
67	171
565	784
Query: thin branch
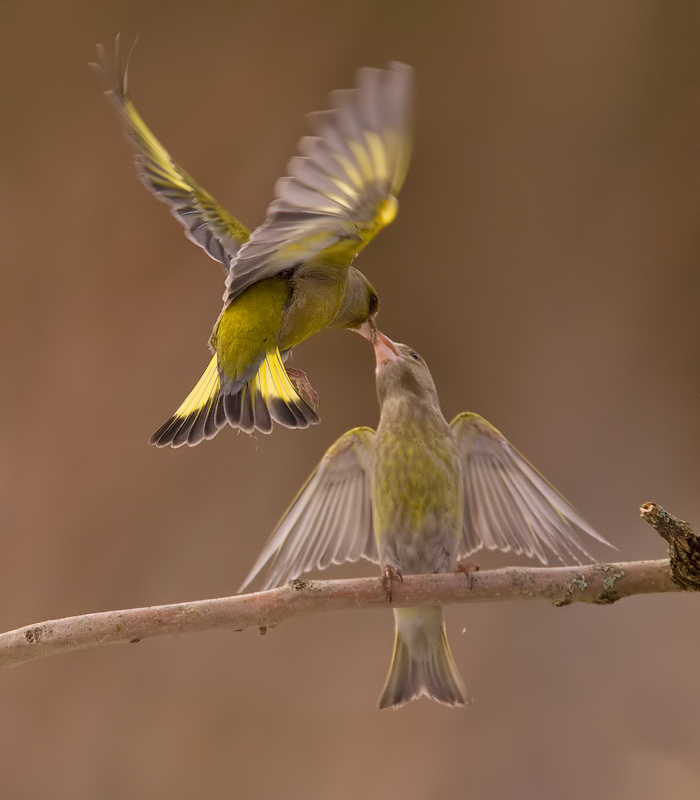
595	583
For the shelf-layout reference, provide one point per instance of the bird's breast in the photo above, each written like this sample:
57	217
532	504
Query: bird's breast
417	495
317	295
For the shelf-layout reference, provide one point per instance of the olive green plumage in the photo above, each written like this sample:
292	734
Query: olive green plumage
416	496
417	508
293	275
417	471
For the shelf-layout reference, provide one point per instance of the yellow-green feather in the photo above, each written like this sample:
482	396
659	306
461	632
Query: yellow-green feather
166	174
205	390
249	327
416	475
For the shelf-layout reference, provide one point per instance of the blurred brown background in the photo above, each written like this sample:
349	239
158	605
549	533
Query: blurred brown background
545	262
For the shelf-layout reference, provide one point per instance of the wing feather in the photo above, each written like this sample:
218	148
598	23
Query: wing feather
341	190
510	510
329	546
330	520
508	505
206	223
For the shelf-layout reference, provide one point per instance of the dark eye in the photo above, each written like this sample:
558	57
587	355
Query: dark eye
415	356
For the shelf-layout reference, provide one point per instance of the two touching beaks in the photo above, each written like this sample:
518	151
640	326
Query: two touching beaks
385	350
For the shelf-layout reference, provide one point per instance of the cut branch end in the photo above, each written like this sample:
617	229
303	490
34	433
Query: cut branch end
683	545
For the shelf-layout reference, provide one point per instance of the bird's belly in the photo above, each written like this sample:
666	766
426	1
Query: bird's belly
249	327
417	511
433	549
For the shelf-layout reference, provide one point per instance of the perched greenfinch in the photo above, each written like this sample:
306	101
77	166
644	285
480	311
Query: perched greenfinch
417	496
293	275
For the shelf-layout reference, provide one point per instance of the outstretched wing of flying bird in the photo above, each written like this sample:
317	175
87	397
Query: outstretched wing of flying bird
206	223
342	190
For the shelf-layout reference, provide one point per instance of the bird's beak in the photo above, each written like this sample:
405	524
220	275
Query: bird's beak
368	330
385	350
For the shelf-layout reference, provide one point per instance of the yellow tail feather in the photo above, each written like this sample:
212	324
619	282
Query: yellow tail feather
198	417
269	395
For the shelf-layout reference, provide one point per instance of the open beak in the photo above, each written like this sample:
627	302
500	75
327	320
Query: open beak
368	330
385	350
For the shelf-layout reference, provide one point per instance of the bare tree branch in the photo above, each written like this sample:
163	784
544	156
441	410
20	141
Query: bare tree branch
595	583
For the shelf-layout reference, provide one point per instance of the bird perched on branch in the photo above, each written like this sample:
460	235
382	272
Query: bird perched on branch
417	496
293	275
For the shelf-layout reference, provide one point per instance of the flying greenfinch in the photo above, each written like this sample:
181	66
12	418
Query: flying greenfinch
417	496
293	275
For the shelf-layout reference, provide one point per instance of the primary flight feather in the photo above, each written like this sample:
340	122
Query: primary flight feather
293	275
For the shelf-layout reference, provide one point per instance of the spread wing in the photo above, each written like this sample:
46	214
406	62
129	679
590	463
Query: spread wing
508	505
330	521
341	191
206	223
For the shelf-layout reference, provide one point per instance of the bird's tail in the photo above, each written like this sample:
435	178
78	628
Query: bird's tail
422	663
269	395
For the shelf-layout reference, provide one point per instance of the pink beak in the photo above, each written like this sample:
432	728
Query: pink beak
368	330
384	349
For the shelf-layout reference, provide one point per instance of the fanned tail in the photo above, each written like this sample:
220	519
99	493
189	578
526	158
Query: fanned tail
422	663
269	396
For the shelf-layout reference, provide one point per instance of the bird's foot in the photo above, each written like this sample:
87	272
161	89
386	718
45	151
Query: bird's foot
467	568
389	574
303	385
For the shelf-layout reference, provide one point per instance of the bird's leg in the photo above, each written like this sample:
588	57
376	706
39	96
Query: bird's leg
389	574
303	384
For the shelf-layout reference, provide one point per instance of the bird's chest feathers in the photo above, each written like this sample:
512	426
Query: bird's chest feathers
417	480
317	295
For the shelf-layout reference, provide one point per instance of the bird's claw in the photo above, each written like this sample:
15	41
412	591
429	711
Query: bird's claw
467	568
389	574
303	385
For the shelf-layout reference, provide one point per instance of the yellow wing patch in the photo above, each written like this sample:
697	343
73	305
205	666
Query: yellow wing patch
206	223
343	185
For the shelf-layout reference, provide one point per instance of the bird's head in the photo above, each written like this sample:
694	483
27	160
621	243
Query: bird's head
360	306
401	371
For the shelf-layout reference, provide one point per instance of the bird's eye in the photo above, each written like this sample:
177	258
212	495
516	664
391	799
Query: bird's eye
415	356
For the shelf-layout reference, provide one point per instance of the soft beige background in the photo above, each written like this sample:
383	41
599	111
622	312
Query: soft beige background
545	262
